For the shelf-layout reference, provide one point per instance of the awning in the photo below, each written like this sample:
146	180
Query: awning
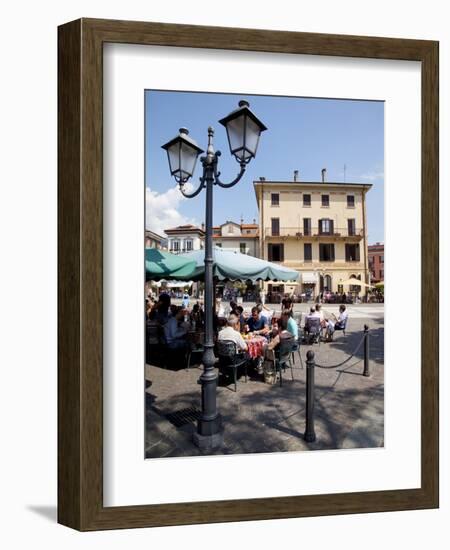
233	266
163	265
309	277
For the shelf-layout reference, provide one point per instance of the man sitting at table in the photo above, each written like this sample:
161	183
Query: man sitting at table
256	323
175	331
231	332
265	313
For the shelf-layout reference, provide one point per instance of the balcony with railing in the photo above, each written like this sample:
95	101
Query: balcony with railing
182	250
314	232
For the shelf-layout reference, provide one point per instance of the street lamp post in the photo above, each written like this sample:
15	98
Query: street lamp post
243	131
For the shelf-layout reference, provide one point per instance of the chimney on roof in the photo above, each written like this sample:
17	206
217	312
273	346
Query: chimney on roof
203	226
324	171
262	178
295	175
254	221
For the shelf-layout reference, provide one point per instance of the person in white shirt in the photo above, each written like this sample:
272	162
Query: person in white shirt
265	312
340	322
231	332
342	319
262	296
319	312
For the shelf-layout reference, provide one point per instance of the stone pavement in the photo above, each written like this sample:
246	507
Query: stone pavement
260	418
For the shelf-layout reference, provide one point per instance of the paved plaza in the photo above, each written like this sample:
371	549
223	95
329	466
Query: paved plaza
261	418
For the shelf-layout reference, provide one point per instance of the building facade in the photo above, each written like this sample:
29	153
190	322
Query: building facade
185	238
153	240
376	262
243	237
317	228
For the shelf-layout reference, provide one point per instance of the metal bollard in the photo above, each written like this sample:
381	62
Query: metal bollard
366	351
310	434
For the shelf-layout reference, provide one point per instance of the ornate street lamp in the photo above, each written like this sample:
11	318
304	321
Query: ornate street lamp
243	130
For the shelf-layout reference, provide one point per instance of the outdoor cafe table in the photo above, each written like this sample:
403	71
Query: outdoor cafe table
255	346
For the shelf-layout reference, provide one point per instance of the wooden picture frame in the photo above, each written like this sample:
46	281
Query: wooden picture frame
80	272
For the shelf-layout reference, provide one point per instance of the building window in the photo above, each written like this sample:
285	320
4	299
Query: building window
382	273
219	245
307	252
326	252
325	200
327	283
306	200
350	201
275	199
351	227
275	227
307	226
352	252
231	229
275	252
189	243
242	248
382	259
326	227
175	246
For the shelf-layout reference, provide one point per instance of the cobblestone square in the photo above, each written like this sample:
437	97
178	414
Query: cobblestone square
262	418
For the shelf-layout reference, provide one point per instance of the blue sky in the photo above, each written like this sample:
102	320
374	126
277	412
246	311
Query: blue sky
304	134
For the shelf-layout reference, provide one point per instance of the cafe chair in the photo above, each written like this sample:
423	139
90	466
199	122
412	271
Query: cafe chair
313	331
229	358
296	347
193	348
343	327
283	357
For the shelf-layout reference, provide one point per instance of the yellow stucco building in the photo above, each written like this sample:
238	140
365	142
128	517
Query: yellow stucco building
317	228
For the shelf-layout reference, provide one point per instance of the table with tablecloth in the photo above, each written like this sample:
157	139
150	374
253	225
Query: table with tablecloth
256	346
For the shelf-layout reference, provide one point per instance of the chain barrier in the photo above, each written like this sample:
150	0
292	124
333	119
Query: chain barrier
345	360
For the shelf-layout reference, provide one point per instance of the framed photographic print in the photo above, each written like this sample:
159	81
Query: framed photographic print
248	274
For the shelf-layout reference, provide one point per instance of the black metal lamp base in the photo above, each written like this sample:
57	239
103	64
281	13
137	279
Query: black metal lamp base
208	442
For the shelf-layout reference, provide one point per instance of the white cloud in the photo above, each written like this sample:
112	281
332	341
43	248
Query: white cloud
372	176
162	210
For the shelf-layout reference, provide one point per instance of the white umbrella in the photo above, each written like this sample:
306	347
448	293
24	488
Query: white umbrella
356	282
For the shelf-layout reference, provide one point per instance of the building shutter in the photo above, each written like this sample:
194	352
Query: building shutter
281	252
307	252
320	227
331	227
332	252
357	252
269	252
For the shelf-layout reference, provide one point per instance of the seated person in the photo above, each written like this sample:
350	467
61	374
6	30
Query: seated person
310	318
265	312
283	334
197	316
175	330
338	323
342	319
319	312
256	323
292	325
231	332
239	312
